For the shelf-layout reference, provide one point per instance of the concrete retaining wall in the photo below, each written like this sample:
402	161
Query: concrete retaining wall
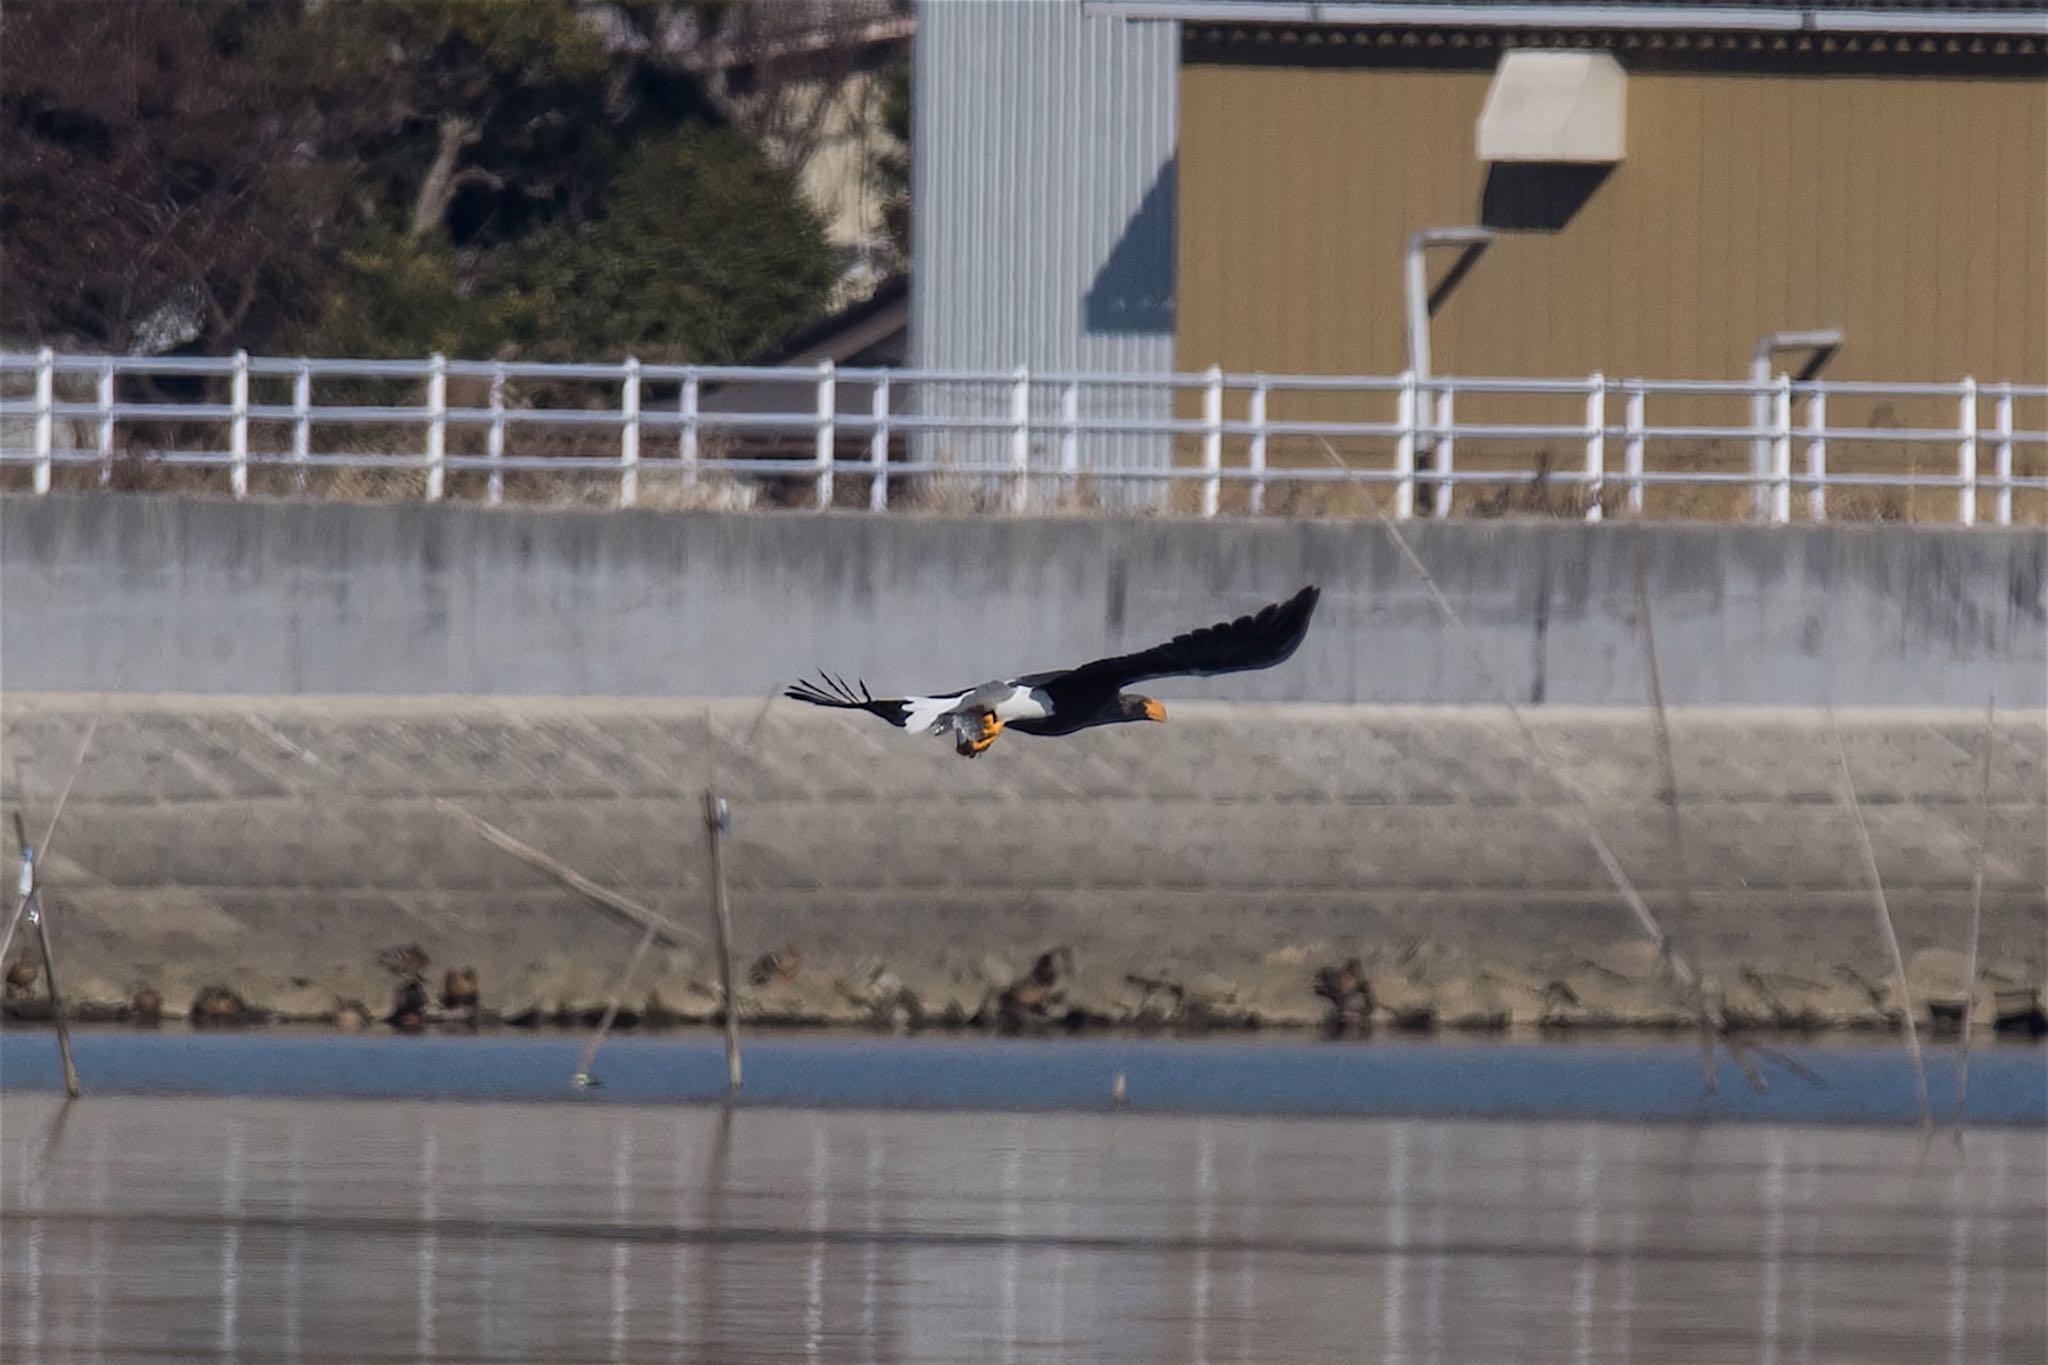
275	845
146	594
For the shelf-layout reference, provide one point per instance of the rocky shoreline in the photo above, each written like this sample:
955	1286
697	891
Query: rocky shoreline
1418	989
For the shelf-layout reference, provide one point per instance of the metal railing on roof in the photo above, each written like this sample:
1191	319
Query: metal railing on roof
1224	443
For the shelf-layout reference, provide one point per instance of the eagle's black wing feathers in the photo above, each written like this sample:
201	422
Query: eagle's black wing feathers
834	692
1261	640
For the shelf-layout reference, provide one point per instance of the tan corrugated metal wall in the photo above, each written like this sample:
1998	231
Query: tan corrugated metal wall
1910	211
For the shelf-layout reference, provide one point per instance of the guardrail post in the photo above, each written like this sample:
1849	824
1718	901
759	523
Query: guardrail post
1404	448
1256	455
302	421
629	434
686	409
828	406
1781	450
1632	442
106	406
238	426
1596	444
1212	440
1817	455
1020	438
2003	468
1443	454
878	447
1966	452
46	418
494	439
437	427
1760	440
1070	438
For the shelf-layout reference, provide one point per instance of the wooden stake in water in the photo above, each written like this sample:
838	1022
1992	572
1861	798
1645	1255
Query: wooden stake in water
717	824
583	1079
1976	921
40	918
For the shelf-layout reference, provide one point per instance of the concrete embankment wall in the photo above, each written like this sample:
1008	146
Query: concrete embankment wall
141	594
276	844
258	806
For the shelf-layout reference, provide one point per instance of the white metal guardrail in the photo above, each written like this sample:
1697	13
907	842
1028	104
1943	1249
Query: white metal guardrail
1026	433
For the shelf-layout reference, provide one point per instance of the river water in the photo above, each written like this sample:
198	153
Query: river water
255	1228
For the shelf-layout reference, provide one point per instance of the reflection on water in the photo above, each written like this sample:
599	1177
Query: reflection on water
303	1230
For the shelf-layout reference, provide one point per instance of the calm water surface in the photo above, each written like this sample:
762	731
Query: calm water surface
238	1228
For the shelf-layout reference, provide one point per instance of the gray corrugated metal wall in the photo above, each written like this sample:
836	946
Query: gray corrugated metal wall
1043	201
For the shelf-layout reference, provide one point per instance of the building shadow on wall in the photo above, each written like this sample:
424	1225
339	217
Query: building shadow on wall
1538	196
1133	291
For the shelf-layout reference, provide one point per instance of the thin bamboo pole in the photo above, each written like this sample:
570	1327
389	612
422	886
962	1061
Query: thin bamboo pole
49	833
1675	827
40	917
663	928
583	1079
1976	921
717	823
1680	968
1884	927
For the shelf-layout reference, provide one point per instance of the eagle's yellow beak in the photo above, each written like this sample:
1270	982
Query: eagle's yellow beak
1153	710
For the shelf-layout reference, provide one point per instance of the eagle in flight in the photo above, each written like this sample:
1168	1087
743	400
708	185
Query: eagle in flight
1069	699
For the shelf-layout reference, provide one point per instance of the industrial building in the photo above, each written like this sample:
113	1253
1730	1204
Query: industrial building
1139	186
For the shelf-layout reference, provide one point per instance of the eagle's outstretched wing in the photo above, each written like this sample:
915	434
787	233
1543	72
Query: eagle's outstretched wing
919	715
1261	640
831	691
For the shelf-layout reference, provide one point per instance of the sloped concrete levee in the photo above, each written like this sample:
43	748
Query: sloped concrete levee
275	844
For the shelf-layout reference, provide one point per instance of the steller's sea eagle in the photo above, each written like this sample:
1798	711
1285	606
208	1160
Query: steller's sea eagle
1070	699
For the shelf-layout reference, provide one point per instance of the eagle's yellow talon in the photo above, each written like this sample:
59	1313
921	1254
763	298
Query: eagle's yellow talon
990	728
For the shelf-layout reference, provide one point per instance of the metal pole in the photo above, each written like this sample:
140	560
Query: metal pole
629	434
1417	300
2004	454
302	420
1966	452
1759	443
1781	451
1817	455
1444	457
686	406
46	419
828	402
1596	444
1632	449
437	427
494	440
717	823
1020	439
1404	449
238	426
878	448
1820	346
1420	304
1070	438
106	404
1212	440
1256	456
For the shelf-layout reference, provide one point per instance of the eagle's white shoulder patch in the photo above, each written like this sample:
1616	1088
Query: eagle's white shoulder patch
923	713
1023	703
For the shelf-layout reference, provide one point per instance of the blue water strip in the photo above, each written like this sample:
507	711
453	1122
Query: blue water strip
1870	1083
